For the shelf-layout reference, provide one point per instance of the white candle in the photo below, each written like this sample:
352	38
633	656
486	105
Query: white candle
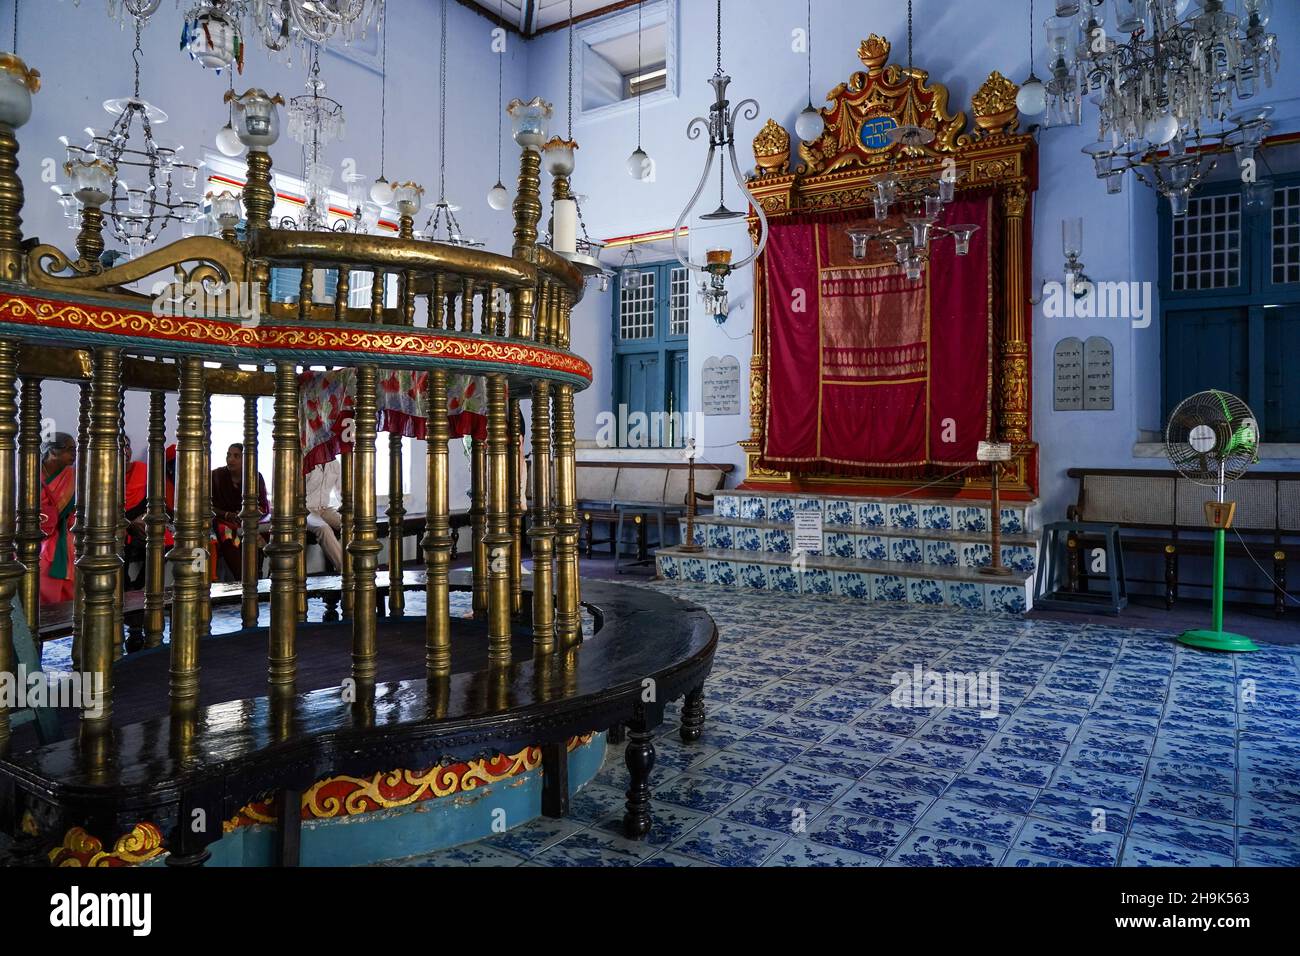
565	237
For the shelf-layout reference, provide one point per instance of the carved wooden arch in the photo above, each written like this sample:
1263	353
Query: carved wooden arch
838	173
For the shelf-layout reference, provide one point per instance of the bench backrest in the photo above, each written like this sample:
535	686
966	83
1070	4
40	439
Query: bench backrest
661	482
1266	502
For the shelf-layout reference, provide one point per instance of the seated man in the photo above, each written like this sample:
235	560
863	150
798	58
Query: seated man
135	481
323	518
58	511
227	505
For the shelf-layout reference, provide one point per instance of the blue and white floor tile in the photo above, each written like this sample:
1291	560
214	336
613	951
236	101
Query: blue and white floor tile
1109	746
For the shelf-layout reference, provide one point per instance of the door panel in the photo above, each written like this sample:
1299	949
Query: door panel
1281	376
1205	349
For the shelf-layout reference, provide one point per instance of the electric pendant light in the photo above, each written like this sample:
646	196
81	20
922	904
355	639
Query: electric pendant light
639	164
498	197
381	191
1031	99
809	124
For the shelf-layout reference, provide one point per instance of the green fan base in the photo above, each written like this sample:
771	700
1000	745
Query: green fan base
1217	641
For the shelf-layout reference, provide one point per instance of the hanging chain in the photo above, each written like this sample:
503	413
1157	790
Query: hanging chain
442	109
501	56
719	73
1031	37
569	135
639	81
136	54
15	27
383	93
808	44
909	37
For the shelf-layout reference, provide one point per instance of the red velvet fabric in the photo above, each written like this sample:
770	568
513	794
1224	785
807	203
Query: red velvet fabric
869	374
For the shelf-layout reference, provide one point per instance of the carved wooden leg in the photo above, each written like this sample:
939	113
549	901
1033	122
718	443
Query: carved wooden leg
1279	582
332	599
589	530
693	715
617	734
640	759
288	829
555	780
1072	562
1171	576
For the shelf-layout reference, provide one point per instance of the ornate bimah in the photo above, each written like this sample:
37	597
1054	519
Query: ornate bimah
863	379
305	719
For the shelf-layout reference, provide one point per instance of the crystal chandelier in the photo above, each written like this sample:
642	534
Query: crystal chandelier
1166	90
721	127
923	199
315	121
143	182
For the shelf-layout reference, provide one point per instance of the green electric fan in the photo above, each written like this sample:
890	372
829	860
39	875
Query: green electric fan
1212	438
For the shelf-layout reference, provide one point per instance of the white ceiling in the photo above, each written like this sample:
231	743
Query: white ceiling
544	13
620	52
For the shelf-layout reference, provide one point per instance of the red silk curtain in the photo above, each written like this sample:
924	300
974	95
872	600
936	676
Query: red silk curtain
870	374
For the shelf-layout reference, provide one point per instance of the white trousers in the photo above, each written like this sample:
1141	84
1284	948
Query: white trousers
326	524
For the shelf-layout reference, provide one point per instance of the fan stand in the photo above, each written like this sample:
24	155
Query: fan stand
1219	516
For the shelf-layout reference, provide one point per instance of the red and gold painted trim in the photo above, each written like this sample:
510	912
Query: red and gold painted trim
345	796
79	848
191	332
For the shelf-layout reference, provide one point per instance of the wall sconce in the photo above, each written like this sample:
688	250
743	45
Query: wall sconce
1076	281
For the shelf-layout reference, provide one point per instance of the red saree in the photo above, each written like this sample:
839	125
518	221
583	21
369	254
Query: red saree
58	511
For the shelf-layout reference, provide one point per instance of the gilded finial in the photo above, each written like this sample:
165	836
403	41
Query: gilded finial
874	53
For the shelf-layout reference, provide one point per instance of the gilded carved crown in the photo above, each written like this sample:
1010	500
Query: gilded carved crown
994	104
772	148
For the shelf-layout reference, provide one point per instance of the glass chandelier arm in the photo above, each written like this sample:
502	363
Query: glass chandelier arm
693	133
750	110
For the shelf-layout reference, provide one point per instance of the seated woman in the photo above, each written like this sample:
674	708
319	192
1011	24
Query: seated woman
135	481
58	512
228	503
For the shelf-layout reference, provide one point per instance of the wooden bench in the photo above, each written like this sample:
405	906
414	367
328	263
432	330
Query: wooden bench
1160	512
603	485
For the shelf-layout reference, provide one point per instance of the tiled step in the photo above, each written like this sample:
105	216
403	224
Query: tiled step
966	549
962	587
867	513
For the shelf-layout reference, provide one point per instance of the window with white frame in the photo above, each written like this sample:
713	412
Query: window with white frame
611	75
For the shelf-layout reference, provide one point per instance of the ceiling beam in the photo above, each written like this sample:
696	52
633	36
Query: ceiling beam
527	11
589	15
491	16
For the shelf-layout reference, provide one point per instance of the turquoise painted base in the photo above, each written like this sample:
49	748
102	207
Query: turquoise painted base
420	828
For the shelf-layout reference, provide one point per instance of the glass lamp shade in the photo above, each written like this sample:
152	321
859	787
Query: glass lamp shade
920	232
355	184
381	191
1072	237
961	237
1162	129
1115	182
257	121
211	38
933	207
881	209
529	121
809	124
226	206
1062	33
1031	99
370	216
92	180
228	141
17	84
912	266
859	240
407	197
886	190
639	165
558	155
903	251
498	196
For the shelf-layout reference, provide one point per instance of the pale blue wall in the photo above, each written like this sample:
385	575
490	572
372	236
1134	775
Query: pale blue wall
85	59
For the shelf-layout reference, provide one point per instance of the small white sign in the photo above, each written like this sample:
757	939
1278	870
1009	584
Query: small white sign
808	531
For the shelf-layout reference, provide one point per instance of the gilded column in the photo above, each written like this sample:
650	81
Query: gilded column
250	518
156	522
438	303
528	212
541	527
467	305
28	530
188	556
342	288
437	534
300	525
100	563
365	546
1015	364
396	520
259	200
11	571
477	512
497	539
282	661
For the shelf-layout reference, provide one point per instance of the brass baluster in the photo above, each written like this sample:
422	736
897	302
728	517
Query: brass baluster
300	524
514	443
188	556
365	546
156	522
342	289
11	572
79	523
345	529
396	518
497	539
120	575
467	306
541	529
285	546
437	535
250	518
477	522
306	290
28	528
378	295
100	563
